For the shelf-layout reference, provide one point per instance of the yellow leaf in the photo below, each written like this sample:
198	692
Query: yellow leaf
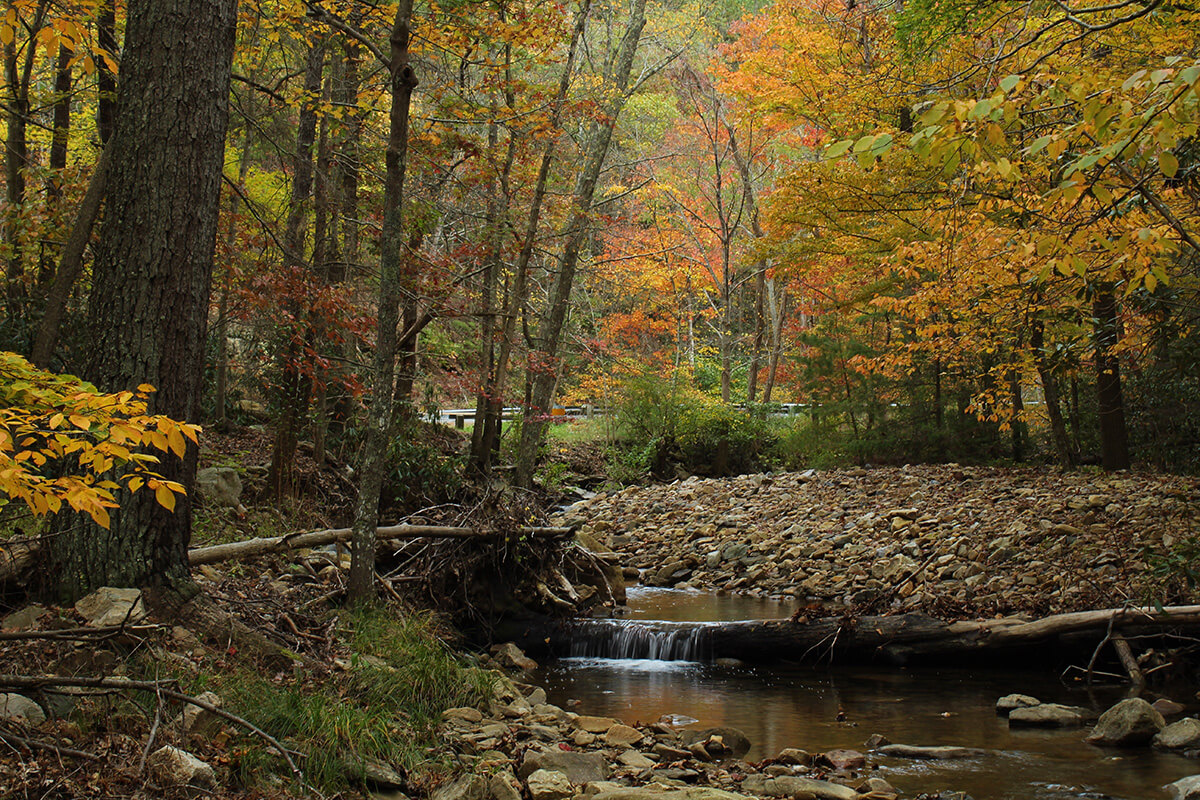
100	517
176	441
83	423
165	497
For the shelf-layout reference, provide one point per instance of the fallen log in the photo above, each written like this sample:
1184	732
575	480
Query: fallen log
909	638
292	541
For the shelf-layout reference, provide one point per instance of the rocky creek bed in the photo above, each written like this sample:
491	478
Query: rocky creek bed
952	541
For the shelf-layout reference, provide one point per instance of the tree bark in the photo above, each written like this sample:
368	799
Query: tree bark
149	305
544	355
58	155
1114	438
295	382
391	242
1058	426
106	78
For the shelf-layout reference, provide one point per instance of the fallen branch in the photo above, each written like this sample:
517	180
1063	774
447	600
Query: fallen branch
277	544
35	744
79	634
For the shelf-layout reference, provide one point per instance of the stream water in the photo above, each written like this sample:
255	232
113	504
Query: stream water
780	706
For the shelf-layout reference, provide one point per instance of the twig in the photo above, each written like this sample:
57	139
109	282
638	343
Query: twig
158	709
79	634
34	744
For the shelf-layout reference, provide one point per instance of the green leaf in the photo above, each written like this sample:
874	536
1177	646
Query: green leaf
1168	163
1008	83
1039	145
838	149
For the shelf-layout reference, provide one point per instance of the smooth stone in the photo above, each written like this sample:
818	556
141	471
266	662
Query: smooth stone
382	775
669	753
632	758
1185	788
1005	705
792	755
24	619
1168	708
936	753
1048	715
796	786
18	706
844	759
622	735
1181	735
466	714
1129	722
657	793
594	724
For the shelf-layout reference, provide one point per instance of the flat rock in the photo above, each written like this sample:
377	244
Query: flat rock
622	736
632	758
580	768
504	786
936	753
464	714
1185	788
1005	705
794	756
796	786
23	619
548	784
108	606
18	706
656	793
1168	708
1048	715
1181	735
844	759
1130	722
594	724
512	657
170	766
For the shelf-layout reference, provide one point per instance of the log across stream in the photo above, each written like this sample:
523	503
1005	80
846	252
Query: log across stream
781	704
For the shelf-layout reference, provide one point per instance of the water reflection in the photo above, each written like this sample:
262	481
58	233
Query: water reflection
784	706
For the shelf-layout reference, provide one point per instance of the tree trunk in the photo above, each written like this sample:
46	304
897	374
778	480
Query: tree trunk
391	242
58	155
106	78
295	381
1058	427
1114	439
1018	416
494	386
149	304
544	357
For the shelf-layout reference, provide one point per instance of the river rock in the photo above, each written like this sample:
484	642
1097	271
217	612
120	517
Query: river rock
796	786
1181	735
1185	788
170	766
509	656
878	788
669	753
736	742
548	784
935	753
594	724
663	793
109	606
632	758
795	757
1167	707
1048	715
464	714
1005	705
620	735
24	619
580	768
1129	722
197	721
504	786
20	707
844	759
383	775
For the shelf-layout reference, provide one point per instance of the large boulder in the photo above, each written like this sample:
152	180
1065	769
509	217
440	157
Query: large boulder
1181	735
580	768
220	486
1129	723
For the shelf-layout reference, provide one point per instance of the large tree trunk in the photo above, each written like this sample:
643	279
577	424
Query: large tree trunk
149	305
1058	426
106	78
58	157
391	269
544	358
1114	439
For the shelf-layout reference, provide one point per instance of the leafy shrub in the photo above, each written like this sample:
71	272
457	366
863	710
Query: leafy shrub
422	470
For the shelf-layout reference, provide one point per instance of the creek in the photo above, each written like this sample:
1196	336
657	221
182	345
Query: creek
650	665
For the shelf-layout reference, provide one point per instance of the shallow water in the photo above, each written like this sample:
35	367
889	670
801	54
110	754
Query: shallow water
781	706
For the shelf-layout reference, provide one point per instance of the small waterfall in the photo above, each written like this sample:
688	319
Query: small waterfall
640	639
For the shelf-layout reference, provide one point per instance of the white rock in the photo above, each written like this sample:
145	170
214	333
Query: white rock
18	706
171	766
108	606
